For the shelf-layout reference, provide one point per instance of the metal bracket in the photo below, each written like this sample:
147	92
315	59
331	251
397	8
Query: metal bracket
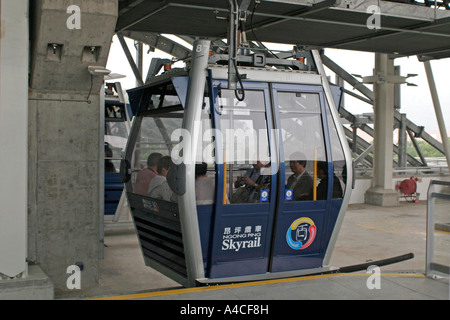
380	79
258	60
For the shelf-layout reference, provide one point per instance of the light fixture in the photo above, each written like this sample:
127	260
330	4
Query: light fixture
98	70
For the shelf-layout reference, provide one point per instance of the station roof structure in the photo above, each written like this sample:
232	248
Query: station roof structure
406	27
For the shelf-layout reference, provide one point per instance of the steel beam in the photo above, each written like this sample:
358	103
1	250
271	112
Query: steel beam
130	59
416	146
367	129
438	111
355	83
157	41
369	95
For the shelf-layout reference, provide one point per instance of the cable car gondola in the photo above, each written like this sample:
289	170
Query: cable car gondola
254	177
117	119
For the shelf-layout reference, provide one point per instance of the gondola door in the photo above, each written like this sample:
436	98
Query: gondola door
245	197
306	186
278	193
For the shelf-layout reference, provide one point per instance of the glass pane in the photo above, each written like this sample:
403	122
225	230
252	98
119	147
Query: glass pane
254	101
304	149
115	142
245	138
243	127
438	234
299	102
441	234
160	96
302	132
205	169
339	166
154	140
164	100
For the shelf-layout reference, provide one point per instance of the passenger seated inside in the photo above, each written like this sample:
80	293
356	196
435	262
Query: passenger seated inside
300	182
146	175
250	176
322	188
253	181
204	186
159	188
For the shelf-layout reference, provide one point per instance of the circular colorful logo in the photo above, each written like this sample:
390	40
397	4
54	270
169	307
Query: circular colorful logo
301	233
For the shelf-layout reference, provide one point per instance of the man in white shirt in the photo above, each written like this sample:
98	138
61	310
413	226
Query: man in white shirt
205	187
159	188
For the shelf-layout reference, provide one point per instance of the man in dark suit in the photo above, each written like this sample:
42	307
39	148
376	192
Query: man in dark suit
300	182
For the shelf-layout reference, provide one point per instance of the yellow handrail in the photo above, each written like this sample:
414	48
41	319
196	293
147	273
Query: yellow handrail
315	176
224	200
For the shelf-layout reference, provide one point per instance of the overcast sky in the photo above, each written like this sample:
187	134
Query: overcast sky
415	101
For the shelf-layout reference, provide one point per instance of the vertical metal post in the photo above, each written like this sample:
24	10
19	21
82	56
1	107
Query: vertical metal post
186	202
402	154
438	111
347	154
232	45
397	90
354	138
430	230
101	176
139	59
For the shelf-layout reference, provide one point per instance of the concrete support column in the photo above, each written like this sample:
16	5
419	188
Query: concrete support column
13	137
381	192
66	150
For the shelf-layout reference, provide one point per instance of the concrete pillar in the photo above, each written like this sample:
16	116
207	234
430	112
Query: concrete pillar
13	138
381	192
66	152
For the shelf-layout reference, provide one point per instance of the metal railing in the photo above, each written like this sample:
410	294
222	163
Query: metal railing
439	170
438	230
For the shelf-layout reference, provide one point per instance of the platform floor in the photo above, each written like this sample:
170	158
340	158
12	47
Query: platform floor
368	233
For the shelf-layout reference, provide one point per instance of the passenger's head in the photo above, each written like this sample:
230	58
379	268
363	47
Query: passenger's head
322	169
259	164
201	169
297	166
298	163
153	158
164	165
